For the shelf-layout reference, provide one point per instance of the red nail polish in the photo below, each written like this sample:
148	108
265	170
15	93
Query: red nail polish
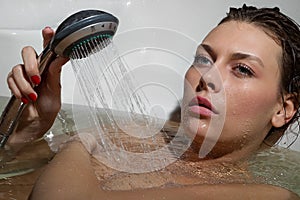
36	79
32	96
24	100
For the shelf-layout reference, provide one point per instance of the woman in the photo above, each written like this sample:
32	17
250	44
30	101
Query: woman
248	64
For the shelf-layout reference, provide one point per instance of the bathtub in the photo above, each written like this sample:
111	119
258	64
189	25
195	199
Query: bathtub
146	38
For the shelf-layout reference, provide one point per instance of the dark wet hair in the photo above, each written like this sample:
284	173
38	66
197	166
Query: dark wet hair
285	32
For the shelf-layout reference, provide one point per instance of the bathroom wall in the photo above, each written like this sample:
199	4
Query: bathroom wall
157	38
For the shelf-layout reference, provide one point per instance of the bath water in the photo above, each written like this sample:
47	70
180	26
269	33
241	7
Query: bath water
276	166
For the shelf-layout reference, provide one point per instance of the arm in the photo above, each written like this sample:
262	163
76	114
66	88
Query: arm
43	103
70	176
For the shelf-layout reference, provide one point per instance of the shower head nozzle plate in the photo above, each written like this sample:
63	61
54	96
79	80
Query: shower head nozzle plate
101	30
81	27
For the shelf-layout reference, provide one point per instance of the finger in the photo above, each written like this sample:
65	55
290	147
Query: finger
47	33
13	87
22	83
54	74
31	65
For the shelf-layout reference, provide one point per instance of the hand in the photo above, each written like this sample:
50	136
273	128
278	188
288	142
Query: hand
44	102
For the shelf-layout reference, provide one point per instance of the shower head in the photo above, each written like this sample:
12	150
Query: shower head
82	27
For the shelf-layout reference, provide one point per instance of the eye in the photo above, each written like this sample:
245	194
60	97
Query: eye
242	70
202	61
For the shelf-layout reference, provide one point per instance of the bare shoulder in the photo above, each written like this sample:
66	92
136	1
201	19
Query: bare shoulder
68	176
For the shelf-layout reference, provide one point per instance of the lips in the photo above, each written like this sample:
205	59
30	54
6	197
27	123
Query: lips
201	106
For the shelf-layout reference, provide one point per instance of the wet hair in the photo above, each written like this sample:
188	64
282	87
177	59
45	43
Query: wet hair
285	32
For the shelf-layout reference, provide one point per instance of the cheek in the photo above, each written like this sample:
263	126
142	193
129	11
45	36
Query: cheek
192	76
250	107
191	81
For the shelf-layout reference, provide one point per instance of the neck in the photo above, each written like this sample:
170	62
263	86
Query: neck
217	155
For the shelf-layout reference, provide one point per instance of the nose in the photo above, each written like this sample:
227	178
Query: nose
210	80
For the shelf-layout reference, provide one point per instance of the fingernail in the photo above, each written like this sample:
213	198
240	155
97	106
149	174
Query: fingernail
32	96
36	79
24	100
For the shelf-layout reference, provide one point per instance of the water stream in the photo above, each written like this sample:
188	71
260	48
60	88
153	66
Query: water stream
125	133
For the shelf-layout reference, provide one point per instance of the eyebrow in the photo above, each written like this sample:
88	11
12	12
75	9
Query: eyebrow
241	56
209	50
234	56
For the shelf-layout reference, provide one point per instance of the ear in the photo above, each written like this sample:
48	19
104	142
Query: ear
285	112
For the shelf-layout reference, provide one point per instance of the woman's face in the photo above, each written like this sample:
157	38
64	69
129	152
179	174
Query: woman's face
240	90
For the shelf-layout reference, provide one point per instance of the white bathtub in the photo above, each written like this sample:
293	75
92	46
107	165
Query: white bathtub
157	36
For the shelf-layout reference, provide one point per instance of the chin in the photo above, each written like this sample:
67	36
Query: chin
204	136
194	127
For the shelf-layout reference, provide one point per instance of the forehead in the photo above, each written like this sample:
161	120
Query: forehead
234	36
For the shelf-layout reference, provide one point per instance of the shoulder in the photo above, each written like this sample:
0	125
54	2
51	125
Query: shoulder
68	176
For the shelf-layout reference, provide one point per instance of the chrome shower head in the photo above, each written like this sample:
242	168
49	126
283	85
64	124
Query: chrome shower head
82	27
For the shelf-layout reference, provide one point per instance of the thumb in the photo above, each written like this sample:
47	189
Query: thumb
47	33
54	73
